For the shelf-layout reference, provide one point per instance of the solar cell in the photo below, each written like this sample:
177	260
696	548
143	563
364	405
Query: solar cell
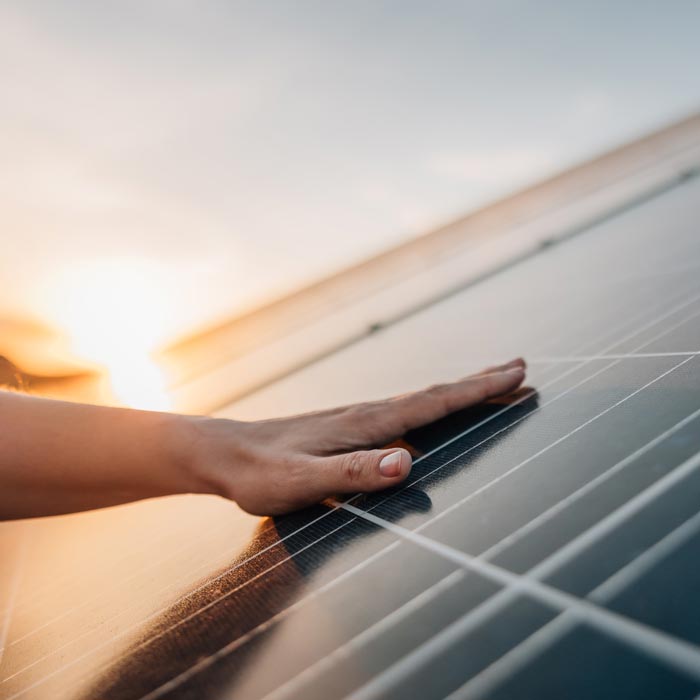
542	548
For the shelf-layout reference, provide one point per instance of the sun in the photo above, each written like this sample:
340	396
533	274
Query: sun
116	314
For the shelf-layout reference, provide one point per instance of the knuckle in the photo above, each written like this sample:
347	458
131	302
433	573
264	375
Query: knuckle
352	466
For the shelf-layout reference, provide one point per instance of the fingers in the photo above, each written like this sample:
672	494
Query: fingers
386	420
317	471
517	362
436	402
369	470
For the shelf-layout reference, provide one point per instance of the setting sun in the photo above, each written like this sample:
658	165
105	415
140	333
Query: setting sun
115	315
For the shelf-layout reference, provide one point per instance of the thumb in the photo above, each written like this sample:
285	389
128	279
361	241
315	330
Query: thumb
368	470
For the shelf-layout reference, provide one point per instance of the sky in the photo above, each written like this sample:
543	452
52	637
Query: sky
166	163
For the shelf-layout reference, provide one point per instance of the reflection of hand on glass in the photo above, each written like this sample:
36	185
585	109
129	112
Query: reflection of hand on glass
57	457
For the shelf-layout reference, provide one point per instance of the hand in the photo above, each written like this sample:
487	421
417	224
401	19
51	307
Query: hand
275	466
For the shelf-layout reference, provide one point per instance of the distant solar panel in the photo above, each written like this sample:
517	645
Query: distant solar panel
543	548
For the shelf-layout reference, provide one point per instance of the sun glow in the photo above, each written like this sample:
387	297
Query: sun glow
116	314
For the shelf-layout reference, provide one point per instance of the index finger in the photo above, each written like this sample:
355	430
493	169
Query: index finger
392	418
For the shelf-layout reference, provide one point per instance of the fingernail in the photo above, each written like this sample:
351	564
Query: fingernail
390	465
514	370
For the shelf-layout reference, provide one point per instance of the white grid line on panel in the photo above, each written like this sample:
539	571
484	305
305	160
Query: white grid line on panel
663	647
676	653
519	656
621	356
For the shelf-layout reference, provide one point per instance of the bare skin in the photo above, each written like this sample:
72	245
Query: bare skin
58	457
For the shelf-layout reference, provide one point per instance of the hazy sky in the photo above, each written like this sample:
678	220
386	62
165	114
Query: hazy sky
189	158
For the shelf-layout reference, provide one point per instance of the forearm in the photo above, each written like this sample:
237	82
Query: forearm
58	457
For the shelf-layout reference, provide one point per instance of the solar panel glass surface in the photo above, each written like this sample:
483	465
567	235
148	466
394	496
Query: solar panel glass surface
542	547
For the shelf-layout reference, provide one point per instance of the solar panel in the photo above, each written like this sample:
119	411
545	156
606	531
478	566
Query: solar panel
543	547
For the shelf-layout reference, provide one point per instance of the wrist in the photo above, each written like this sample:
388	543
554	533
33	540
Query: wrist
197	458
181	439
